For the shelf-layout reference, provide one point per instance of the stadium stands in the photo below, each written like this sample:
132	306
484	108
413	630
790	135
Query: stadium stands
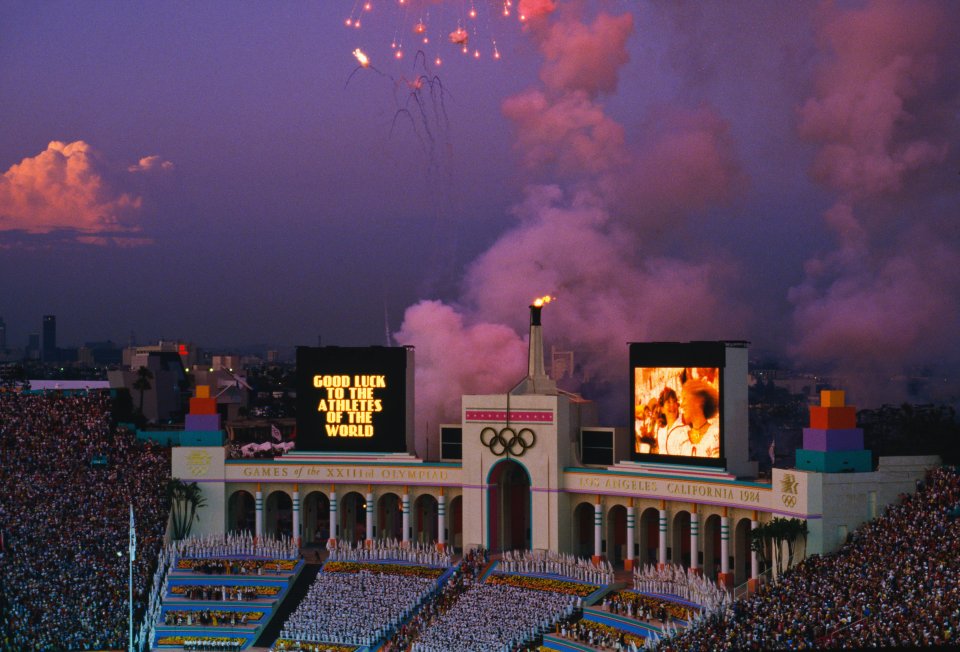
895	583
63	578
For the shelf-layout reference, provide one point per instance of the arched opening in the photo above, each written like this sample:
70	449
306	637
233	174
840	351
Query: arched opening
352	513
680	545
616	534
241	512
508	499
425	519
583	530
741	551
389	517
278	519
456	524
711	546
316	519
649	538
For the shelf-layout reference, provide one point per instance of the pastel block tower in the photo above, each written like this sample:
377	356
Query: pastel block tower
833	443
202	424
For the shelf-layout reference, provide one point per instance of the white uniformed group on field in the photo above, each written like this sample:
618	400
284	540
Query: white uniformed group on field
424	554
355	608
547	562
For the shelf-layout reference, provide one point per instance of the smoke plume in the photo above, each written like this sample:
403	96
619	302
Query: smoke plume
885	303
584	232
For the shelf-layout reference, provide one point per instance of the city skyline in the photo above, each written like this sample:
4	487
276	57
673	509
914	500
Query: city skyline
783	174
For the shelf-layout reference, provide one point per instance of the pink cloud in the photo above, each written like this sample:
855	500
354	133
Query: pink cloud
151	164
64	187
123	242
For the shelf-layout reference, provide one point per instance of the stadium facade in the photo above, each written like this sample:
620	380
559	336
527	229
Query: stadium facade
536	471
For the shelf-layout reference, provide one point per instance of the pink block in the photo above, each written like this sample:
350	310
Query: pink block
202	422
831	439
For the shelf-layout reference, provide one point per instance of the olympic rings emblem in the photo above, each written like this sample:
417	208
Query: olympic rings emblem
508	440
789	501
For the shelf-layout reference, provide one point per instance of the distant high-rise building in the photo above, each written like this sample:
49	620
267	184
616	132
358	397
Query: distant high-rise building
3	335
49	338
33	346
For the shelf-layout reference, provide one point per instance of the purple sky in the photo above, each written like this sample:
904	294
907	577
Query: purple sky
784	173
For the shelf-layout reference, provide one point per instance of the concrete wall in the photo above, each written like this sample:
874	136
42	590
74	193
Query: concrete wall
546	416
735	416
851	499
205	466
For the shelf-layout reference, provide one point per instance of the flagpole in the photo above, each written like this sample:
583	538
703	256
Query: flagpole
132	555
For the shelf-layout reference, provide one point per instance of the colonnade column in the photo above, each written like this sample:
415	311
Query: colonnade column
296	515
405	511
754	581
334	521
597	533
662	552
370	507
631	526
258	523
441	521
726	577
694	540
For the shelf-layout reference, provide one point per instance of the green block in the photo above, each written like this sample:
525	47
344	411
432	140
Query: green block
834	461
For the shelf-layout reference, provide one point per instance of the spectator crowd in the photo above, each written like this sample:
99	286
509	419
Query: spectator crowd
67	479
895	583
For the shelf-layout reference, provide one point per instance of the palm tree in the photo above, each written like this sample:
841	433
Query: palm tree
185	500
795	529
142	383
777	532
759	537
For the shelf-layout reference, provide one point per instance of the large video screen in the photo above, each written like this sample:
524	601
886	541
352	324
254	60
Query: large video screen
677	402
351	399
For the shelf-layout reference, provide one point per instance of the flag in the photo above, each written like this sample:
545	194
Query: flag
773	453
275	431
133	537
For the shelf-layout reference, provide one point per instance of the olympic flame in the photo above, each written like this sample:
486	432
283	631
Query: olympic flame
362	58
539	302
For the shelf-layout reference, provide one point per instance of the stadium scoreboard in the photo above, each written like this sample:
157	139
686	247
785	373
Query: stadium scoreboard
354	399
677	406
